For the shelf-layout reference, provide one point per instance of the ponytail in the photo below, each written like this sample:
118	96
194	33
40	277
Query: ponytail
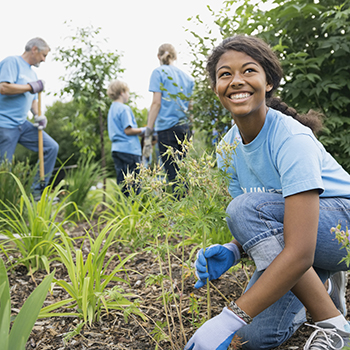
167	54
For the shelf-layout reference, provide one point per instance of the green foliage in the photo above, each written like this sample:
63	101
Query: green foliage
60	127
312	41
342	237
89	70
134	212
9	191
33	227
15	337
79	182
89	279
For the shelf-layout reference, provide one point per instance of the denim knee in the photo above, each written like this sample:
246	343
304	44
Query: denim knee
256	221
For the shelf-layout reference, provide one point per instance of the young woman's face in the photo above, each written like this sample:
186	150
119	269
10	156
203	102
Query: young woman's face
241	85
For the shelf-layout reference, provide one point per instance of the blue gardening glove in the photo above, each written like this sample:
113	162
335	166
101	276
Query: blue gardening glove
217	333
37	86
40	121
219	258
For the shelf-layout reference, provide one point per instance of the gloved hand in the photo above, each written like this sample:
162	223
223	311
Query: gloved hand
219	258
148	131
37	86
143	129
217	333
40	121
147	146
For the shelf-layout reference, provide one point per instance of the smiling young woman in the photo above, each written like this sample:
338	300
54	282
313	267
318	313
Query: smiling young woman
287	194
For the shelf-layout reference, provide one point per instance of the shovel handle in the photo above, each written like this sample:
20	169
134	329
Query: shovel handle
40	144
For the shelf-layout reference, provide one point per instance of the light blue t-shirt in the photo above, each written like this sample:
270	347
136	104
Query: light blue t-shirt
14	108
284	158
120	116
169	79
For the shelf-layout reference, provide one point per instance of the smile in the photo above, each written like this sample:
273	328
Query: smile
239	96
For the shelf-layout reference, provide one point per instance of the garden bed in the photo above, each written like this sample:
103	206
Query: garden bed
112	332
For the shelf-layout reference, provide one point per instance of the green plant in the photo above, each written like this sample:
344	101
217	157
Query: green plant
33	226
343	237
136	212
15	337
79	184
89	279
9	192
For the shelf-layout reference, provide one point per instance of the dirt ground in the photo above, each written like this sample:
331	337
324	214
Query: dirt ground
112	332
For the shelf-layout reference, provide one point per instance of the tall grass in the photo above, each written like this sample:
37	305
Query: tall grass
9	191
33	226
79	182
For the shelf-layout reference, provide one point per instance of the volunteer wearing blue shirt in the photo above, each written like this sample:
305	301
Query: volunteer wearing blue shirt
123	132
288	194
169	111
19	86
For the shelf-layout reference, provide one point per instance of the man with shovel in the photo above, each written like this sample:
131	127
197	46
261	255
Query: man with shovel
19	88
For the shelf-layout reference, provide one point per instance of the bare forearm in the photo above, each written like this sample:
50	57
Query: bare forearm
154	109
280	277
14	89
133	131
152	115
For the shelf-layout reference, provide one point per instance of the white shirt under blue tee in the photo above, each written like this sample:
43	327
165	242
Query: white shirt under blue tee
120	116
14	108
169	79
285	158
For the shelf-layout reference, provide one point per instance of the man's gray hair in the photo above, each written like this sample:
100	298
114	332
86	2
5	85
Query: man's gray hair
41	44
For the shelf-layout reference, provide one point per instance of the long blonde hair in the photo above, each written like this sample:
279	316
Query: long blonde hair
167	54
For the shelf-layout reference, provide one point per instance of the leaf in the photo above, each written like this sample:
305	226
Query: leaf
28	314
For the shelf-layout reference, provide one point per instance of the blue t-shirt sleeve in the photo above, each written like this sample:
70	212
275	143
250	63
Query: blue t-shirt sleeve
155	81
300	170
9	71
126	118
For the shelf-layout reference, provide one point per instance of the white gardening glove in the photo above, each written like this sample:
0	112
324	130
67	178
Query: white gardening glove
217	333
40	121
147	143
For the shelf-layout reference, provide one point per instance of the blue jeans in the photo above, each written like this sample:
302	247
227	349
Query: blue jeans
27	135
125	163
171	137
256	221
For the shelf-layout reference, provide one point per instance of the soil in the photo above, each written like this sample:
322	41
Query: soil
112	331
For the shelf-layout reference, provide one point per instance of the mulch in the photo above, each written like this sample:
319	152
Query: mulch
113	331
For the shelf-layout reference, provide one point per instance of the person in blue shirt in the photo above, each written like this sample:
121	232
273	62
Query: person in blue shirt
169	111
288	192
19	88
123	132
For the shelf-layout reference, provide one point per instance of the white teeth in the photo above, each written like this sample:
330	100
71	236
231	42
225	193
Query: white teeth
239	96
